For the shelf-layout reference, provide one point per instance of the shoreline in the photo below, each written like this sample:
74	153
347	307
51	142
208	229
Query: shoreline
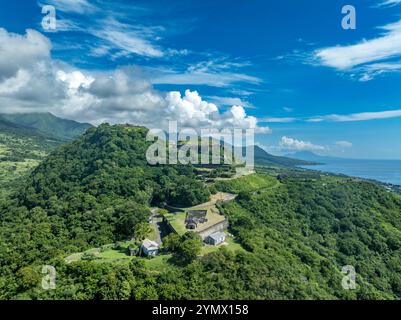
394	187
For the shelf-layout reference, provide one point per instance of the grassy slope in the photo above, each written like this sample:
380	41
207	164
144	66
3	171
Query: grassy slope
111	254
249	183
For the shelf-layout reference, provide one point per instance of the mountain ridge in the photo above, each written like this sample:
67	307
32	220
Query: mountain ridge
48	124
264	158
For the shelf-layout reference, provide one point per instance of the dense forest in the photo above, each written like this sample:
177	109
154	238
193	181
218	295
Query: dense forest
305	231
295	234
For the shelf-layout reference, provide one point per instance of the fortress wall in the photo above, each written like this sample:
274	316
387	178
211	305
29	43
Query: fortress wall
215	228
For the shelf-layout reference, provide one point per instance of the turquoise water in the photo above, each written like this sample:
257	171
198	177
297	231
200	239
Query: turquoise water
388	171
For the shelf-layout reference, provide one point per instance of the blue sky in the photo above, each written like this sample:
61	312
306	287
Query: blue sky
287	65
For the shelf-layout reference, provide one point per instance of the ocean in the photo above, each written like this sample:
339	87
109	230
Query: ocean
388	171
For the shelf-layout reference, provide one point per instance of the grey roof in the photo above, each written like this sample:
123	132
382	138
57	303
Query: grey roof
217	235
150	245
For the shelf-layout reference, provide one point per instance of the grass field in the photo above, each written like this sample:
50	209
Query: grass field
153	233
160	263
250	183
18	155
177	220
230	245
106	253
10	171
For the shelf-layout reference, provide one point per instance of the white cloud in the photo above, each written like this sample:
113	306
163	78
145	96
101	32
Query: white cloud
373	70
279	120
241	92
344	144
192	111
202	78
363	116
369	56
121	39
345	57
100	51
75	80
26	70
229	101
130	39
117	33
292	144
288	109
21	52
13	84
389	2
214	78
73	6
214	72
30	80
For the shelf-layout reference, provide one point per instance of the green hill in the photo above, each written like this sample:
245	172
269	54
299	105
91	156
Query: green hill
48	124
264	158
16	129
31	135
111	161
296	234
306	230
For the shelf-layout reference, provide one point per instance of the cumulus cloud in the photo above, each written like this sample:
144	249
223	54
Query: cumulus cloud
192	111
27	78
21	52
30	80
292	144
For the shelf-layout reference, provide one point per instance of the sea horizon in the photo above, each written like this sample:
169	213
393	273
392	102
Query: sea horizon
385	171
